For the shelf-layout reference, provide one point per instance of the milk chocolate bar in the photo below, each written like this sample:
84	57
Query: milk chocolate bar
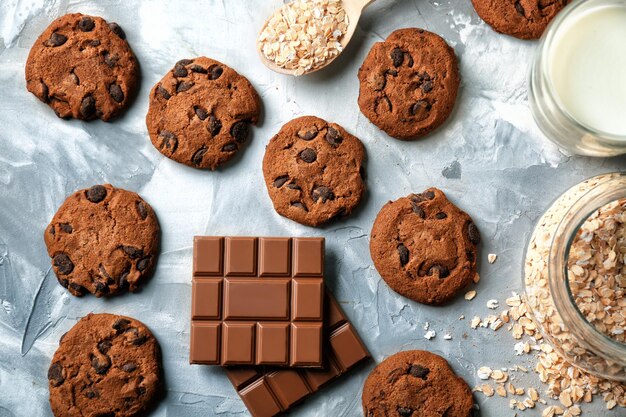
269	391
257	301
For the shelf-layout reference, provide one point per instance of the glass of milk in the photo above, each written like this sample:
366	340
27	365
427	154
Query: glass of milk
577	86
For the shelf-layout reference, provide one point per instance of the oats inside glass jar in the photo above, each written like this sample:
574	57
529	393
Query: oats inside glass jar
597	269
573	276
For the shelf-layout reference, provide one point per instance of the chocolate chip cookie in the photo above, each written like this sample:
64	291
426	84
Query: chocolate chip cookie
82	67
409	83
416	383
424	247
103	240
106	365
200	113
314	171
524	19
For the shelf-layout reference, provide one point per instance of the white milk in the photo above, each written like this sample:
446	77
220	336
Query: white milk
587	66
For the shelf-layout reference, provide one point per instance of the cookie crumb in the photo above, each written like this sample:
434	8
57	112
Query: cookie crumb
521	347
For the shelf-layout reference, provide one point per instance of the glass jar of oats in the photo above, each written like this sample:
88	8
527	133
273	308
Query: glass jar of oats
575	275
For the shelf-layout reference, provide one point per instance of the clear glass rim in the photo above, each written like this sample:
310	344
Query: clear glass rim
578	212
608	138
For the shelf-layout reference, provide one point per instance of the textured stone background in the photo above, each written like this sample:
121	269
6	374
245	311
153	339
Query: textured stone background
489	158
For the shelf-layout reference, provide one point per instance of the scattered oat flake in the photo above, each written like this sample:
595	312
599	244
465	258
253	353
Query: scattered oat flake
484	372
510	388
488	390
476	278
514	301
447	336
565	399
475	322
499	376
493	304
492	257
496	324
553	410
470	295
529	403
504	316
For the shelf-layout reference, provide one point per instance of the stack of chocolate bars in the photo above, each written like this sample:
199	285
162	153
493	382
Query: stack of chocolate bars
260	309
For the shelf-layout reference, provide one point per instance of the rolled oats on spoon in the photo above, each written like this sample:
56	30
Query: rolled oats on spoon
304	36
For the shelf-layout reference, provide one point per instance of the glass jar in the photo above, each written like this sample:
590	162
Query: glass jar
547	289
549	111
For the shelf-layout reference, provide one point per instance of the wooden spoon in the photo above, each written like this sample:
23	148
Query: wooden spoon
353	9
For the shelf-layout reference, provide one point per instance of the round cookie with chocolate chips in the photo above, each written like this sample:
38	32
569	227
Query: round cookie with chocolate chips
424	247
106	365
200	113
524	19
409	83
82	67
314	171
416	383
103	240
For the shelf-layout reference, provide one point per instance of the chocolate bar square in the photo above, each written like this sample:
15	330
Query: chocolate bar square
257	301
269	391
